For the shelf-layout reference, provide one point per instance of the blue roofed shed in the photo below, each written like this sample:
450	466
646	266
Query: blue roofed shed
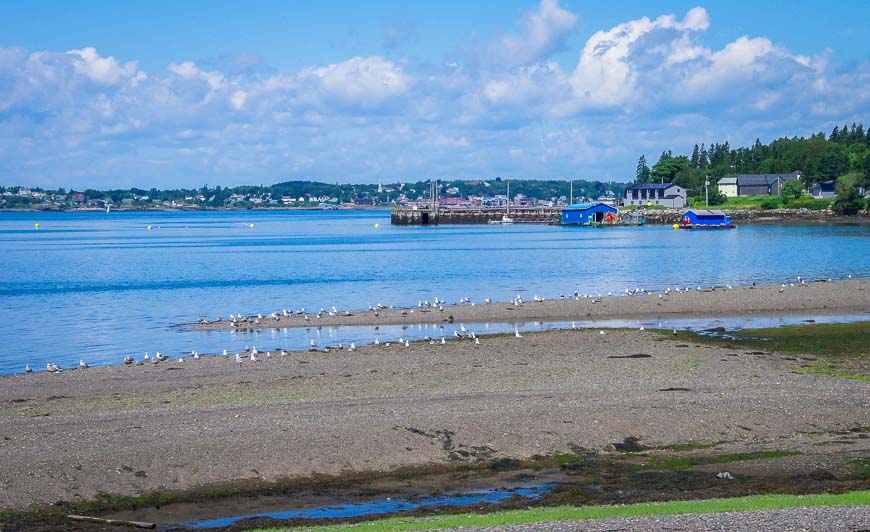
704	218
584	213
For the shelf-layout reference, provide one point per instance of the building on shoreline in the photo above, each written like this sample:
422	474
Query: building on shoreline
662	194
755	184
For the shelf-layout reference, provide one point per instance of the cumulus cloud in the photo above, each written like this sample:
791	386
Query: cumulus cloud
543	32
641	86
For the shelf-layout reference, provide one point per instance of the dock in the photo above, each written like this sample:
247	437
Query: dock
519	215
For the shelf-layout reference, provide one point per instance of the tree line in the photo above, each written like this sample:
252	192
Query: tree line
843	152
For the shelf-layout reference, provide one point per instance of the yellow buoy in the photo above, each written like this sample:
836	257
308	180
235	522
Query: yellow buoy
36	226
251	226
377	226
149	227
676	226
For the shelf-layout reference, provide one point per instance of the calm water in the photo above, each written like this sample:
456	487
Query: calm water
97	286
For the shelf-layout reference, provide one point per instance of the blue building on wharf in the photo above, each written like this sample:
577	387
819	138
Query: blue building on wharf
589	213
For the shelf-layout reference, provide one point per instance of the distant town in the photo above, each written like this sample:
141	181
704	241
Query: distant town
317	195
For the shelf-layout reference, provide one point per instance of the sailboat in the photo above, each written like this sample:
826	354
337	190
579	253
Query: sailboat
505	219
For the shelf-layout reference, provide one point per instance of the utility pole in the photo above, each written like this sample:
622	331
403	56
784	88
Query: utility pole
707	191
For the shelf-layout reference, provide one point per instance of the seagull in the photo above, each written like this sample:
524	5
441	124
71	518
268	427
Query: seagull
128	360
53	368
225	353
238	359
352	347
313	343
443	341
377	341
602	333
196	355
675	331
254	357
573	325
477	341
407	343
83	364
517	334
146	357
160	357
462	327
27	368
641	328
283	353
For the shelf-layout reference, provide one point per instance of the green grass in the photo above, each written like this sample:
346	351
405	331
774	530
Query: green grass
672	463
755	202
571	513
833	349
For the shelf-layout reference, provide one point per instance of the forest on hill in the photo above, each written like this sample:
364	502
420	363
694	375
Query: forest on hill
843	152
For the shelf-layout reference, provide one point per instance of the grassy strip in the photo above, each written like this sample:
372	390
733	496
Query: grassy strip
682	462
833	349
569	513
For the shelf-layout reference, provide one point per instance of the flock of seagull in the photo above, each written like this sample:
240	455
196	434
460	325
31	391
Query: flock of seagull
253	355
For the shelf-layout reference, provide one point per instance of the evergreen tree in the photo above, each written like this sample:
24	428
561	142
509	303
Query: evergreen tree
642	173
695	155
835	134
703	161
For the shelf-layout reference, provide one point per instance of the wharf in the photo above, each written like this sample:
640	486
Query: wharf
532	215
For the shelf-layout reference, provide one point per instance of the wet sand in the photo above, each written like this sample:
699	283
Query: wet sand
813	297
130	430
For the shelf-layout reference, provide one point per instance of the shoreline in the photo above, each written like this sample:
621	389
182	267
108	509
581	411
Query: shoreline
816	297
172	427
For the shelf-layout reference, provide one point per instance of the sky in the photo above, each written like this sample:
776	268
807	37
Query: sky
167	94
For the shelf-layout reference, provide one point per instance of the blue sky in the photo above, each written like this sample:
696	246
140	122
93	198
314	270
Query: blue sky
169	94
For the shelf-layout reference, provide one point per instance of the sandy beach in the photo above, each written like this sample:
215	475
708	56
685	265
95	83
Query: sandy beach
812	297
128	430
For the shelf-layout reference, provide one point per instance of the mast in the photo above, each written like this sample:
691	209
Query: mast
571	194
508	207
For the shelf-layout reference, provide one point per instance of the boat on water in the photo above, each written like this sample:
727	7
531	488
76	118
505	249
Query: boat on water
705	219
505	219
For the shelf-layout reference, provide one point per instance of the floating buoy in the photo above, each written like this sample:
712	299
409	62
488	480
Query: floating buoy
149	227
377	226
36	226
676	226
251	226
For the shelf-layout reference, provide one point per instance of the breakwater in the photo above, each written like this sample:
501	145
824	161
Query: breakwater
534	215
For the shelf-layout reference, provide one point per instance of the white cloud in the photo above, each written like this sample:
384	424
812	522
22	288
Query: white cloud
105	70
364	81
543	33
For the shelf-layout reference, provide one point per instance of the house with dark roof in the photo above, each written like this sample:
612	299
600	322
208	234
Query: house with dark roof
755	184
824	190
663	194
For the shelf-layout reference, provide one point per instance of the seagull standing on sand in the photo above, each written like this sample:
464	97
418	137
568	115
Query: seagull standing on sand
352	347
517	333
477	341
312	343
128	360
239	359
254	357
83	364
53	368
27	368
